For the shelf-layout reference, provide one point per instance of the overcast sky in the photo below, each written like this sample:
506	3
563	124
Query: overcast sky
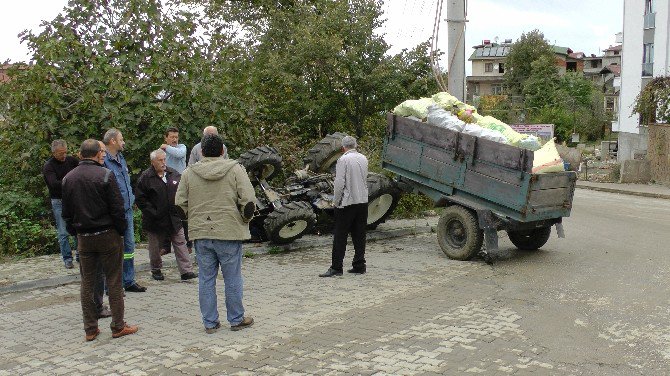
583	25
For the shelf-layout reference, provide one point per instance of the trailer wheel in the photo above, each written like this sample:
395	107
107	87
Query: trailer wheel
383	197
458	233
263	162
289	222
323	156
530	240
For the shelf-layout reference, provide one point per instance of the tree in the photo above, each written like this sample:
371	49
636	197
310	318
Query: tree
541	87
528	48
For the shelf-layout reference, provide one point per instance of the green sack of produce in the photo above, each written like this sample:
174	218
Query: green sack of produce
414	107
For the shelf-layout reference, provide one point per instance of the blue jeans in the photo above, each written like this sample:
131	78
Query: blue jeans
212	254
129	251
63	241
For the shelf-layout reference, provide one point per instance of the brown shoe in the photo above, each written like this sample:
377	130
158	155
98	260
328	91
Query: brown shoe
246	322
127	329
92	336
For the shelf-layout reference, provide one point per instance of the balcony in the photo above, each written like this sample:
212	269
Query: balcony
650	20
647	69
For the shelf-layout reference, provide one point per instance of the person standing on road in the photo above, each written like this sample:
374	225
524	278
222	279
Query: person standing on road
93	210
350	198
176	152
218	199
156	189
54	171
115	161
196	152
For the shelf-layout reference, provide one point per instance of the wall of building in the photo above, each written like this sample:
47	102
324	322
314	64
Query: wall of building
631	67
479	67
633	145
661	38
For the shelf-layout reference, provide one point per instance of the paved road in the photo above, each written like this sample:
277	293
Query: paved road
594	303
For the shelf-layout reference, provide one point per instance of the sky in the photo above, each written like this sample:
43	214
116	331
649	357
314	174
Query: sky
588	26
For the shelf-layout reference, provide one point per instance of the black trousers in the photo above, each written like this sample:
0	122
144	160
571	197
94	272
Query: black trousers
352	220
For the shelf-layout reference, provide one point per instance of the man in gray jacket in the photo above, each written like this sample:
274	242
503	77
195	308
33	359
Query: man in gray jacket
217	197
351	208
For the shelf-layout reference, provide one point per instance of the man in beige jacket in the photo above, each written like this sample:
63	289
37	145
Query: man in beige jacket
218	199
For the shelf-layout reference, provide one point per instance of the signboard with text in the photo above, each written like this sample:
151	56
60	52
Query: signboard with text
543	131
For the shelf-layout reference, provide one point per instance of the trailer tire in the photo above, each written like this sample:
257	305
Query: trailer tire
458	233
289	222
263	162
323	156
383	197
530	240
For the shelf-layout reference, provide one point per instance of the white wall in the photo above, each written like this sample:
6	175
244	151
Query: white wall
631	63
661	39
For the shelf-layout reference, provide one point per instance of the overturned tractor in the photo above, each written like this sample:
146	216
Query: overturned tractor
288	212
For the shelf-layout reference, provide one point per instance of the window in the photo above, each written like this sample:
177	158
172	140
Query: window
488	67
571	66
501	68
648	60
648	6
648	55
476	89
496	89
610	104
594	63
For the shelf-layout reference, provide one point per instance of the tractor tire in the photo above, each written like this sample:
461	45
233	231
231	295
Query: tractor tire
383	197
289	222
458	233
263	162
323	156
530	240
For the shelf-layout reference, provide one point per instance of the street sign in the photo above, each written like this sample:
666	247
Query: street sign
543	131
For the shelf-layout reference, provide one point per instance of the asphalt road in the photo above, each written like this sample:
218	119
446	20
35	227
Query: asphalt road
594	303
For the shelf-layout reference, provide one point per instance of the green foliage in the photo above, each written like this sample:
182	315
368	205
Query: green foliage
540	89
249	254
653	102
25	226
264	72
137	225
528	48
411	205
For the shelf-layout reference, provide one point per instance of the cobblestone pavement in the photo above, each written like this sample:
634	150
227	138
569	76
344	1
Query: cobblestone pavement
415	312
31	271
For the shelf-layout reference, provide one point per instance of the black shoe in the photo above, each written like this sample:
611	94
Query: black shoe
189	275
157	275
331	273
356	270
68	264
135	288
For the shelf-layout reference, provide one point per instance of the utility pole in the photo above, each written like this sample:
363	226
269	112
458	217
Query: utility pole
456	48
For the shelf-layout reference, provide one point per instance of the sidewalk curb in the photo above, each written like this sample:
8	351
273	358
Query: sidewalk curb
258	250
625	192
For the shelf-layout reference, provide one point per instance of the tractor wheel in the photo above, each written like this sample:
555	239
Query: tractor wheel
458	233
530	240
383	197
289	222
323	156
263	162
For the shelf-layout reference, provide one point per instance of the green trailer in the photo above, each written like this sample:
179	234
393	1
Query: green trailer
485	187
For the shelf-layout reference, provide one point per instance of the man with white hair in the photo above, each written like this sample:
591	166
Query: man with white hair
154	195
351	208
196	152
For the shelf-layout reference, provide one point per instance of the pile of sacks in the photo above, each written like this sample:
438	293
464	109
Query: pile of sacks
444	110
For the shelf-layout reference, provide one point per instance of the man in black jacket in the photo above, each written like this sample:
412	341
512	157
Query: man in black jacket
93	210
54	170
154	195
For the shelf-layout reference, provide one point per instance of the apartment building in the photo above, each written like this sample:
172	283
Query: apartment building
488	67
645	43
